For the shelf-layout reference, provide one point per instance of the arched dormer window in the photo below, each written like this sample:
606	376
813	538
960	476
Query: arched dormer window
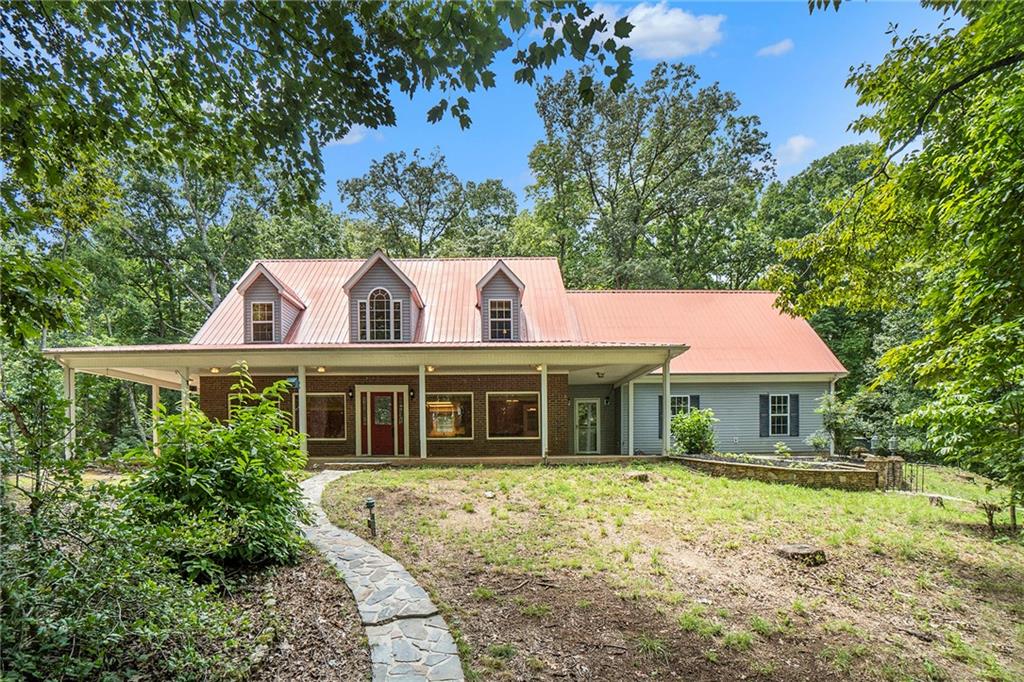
380	317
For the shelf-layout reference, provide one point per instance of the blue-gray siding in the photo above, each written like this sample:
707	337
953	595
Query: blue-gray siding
262	291
736	406
499	287
380	275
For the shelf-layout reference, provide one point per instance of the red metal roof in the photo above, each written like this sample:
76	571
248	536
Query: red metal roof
728	332
447	286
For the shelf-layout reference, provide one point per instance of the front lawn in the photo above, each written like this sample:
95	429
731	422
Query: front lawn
584	572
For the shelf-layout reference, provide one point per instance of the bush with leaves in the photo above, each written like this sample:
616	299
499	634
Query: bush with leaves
693	432
87	592
234	480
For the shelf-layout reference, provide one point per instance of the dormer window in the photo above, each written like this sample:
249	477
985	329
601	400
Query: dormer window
262	321
380	317
500	316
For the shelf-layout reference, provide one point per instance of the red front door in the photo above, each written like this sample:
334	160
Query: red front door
382	423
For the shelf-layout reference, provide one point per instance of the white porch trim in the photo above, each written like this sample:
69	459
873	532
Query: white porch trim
666	406
544	411
303	433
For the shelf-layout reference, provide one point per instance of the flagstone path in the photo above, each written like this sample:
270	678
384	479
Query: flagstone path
408	639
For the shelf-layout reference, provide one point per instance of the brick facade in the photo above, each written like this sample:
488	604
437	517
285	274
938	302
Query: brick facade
213	400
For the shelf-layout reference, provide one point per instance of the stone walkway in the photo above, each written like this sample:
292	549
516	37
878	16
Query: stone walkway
408	639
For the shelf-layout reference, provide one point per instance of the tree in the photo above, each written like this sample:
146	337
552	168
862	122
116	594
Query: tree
418	207
939	222
647	173
221	88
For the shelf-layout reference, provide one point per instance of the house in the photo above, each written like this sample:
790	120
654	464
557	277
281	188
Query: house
489	357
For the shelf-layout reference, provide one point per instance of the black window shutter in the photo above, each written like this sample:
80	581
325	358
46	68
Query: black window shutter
694	402
661	414
763	399
794	414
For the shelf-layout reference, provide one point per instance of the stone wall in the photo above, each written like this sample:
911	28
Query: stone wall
845	479
890	471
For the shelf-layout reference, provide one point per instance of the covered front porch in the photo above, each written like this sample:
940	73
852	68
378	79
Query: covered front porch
377	402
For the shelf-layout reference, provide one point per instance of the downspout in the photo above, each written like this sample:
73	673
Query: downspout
831	440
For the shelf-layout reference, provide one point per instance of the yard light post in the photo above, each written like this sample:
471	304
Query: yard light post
371	521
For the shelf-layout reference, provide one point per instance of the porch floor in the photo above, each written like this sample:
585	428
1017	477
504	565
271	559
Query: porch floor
317	463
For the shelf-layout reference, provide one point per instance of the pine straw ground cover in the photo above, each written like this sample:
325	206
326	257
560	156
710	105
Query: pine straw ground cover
585	573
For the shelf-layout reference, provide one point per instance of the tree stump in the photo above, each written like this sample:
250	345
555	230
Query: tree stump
808	555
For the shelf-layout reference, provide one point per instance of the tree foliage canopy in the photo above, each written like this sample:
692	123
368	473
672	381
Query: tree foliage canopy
939	222
660	174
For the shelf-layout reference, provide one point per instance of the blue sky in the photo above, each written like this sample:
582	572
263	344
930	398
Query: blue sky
786	66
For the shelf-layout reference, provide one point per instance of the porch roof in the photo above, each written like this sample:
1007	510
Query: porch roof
163	364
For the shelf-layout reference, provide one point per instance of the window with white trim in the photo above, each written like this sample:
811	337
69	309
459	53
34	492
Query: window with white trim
778	415
325	416
500	319
680	403
449	415
513	415
261	321
379	317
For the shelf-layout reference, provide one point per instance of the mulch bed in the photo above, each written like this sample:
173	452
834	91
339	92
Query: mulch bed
311	629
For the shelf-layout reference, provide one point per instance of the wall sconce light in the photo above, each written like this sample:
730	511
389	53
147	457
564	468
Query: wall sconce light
607	400
321	369
430	368
412	394
351	393
539	368
600	375
215	370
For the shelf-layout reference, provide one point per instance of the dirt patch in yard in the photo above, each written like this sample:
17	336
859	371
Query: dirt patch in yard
585	573
308	624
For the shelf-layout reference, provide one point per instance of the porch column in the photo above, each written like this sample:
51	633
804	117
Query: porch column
186	397
302	408
666	406
69	411
155	400
421	397
629	418
544	411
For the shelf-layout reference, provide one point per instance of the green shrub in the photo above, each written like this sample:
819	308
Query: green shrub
87	592
227	491
693	432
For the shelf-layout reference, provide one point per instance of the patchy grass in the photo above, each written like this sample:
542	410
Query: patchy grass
571	562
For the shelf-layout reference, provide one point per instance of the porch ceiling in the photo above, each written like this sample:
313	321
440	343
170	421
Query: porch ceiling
161	365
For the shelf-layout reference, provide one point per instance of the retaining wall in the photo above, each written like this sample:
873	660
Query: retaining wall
844	479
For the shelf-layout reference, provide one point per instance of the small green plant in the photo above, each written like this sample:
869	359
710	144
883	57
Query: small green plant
762	626
711	655
468	508
535	610
502	651
818	442
693	432
651	647
739	640
535	664
483	593
693	620
783	450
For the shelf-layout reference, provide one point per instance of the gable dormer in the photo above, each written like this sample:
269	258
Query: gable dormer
500	298
270	307
384	304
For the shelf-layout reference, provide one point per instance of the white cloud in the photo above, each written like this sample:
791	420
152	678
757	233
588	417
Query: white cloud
776	49
355	135
663	32
794	149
